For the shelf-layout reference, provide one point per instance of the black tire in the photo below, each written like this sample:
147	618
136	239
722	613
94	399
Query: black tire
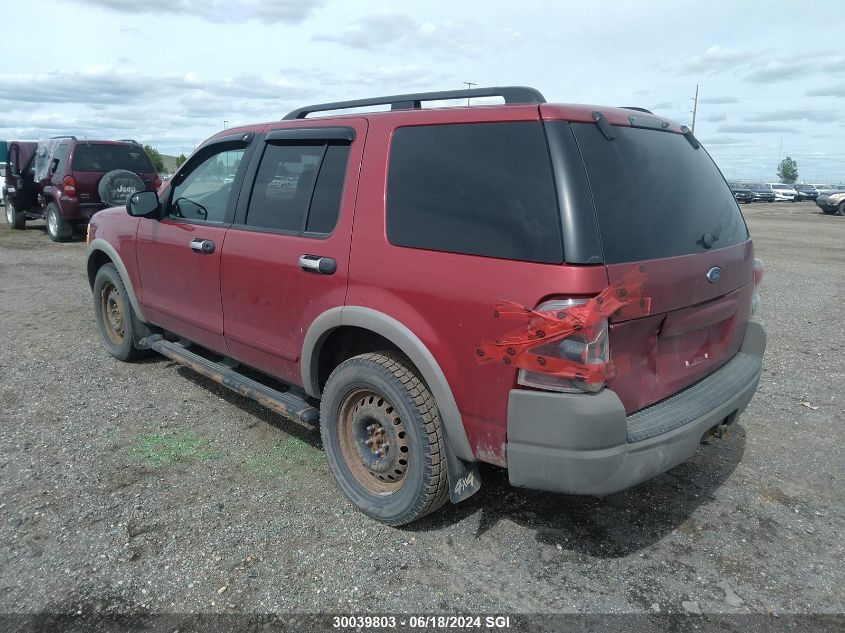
114	315
58	228
840	210
379	390
14	218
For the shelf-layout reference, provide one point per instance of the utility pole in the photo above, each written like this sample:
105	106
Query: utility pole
469	85
694	107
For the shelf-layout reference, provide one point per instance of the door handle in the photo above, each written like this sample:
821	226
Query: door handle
206	247
317	264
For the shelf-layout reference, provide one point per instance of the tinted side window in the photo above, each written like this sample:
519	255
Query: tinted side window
655	195
298	188
480	189
325	205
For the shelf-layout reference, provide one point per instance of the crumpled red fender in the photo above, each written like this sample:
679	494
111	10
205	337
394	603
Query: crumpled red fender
517	348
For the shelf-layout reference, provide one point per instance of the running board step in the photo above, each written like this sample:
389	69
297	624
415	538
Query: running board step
288	404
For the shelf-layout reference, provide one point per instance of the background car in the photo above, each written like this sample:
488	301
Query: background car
761	193
66	181
806	192
783	192
741	193
832	202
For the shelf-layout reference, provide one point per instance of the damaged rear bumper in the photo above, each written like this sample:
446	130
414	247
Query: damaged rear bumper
585	444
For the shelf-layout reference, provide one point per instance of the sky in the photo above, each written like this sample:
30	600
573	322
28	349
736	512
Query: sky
171	73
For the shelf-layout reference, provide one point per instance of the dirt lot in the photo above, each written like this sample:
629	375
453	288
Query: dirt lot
144	487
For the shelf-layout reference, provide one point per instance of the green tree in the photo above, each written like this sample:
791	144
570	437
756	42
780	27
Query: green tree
155	157
788	170
180	160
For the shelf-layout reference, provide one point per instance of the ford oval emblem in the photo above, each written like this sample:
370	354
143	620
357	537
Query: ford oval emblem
714	274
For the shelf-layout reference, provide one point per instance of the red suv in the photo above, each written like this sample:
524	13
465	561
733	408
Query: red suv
515	284
66	181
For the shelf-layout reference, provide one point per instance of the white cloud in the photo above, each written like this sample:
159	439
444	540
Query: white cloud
223	11
170	71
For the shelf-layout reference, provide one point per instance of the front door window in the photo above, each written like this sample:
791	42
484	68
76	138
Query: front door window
202	195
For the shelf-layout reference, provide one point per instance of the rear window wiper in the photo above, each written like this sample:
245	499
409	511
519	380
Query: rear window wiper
707	240
604	126
690	137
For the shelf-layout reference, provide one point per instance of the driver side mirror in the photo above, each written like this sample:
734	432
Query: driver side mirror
143	204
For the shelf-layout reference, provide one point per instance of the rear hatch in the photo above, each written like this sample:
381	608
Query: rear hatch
91	161
661	202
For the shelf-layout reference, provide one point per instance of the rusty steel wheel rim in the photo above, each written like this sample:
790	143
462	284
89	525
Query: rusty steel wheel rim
373	441
112	313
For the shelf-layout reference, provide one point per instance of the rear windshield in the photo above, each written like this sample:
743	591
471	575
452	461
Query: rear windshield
655	195
102	157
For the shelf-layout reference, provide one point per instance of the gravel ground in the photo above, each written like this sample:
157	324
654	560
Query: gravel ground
143	487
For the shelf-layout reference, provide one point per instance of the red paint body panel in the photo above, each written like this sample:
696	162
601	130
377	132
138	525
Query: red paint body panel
268	300
447	299
694	328
180	288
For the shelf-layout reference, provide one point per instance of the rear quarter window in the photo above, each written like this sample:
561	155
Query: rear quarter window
479	189
655	195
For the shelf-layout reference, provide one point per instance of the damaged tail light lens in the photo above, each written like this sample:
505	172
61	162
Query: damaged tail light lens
587	347
756	300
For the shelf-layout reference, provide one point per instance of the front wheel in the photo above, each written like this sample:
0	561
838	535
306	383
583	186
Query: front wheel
383	441
840	210
58	228
113	314
14	218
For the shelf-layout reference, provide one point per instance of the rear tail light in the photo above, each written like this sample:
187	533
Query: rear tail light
587	347
157	183
69	186
756	300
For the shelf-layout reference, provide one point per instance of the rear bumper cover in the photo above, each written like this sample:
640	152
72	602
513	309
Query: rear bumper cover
585	444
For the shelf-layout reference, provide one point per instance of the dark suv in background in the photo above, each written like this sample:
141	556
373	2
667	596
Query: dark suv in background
806	192
741	193
761	193
66	180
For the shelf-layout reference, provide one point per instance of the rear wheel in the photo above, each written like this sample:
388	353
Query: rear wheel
113	314
58	228
840	210
381	433
14	218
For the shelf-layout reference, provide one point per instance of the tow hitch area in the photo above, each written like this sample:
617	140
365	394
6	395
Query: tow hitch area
720	430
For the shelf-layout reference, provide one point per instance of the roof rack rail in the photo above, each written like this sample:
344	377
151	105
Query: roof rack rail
637	109
128	140
73	138
413	101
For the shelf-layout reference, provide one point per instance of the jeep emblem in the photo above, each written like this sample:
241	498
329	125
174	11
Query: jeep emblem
714	274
